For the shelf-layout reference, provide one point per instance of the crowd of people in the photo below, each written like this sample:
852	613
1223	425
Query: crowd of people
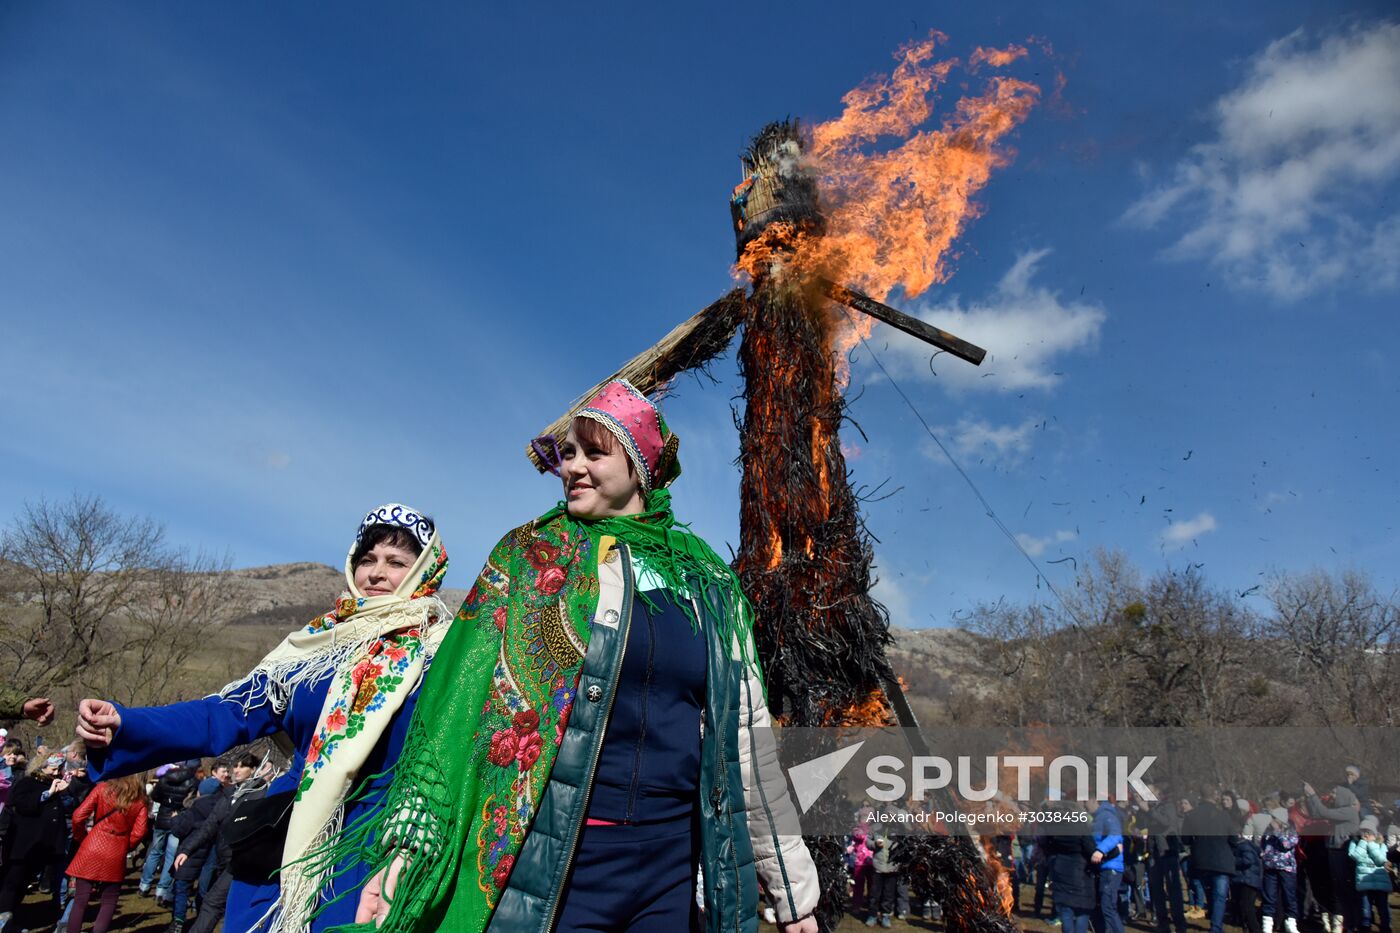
74	841
1265	865
1329	859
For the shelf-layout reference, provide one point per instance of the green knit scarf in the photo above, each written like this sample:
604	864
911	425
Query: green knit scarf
685	562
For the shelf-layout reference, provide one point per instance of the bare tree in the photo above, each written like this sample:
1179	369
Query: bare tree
1340	643
1117	652
1190	649
93	600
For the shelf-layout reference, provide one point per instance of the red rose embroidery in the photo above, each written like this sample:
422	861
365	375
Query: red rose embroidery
541	554
551	580
527	752
335	722
499	617
364	677
502	873
503	744
526	721
314	751
366	668
498	817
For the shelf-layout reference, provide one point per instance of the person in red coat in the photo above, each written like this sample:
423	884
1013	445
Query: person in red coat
117	810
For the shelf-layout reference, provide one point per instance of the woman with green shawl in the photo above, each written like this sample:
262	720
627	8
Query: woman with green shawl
593	733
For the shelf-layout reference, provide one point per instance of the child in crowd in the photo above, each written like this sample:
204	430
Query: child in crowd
884	889
1280	872
1372	878
858	863
1247	881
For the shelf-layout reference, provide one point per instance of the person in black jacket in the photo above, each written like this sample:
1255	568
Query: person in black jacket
1211	834
38	834
1247	882
190	857
1073	876
210	836
1163	826
79	786
168	798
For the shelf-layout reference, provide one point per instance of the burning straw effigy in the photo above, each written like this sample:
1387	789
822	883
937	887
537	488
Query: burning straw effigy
805	554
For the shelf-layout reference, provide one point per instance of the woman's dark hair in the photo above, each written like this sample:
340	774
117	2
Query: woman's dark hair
246	760
392	535
594	434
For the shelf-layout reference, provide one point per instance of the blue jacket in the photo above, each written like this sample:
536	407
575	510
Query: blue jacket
154	735
1371	874
1249	867
1108	835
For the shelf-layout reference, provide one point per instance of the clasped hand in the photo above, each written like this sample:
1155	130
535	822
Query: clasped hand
98	721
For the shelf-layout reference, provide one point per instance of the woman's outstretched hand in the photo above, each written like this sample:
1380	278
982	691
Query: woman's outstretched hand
98	721
378	893
39	709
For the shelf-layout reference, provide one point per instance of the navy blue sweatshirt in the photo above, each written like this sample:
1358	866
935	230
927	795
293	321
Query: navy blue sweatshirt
649	768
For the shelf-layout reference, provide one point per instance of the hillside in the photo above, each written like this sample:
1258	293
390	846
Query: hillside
939	671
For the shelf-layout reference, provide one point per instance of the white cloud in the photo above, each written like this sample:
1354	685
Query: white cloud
1279	198
1036	546
1276	499
1179	534
895	598
994	444
1023	326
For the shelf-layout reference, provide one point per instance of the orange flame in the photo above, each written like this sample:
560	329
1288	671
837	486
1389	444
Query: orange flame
893	211
1002	877
997	58
874	710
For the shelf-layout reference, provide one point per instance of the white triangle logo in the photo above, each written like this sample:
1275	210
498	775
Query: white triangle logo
811	778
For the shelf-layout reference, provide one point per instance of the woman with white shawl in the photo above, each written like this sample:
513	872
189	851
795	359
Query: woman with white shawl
343	688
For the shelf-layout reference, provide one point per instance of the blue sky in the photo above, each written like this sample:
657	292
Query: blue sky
263	267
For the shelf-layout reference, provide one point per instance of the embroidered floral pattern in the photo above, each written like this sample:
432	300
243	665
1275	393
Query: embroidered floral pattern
362	689
501	874
533	686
